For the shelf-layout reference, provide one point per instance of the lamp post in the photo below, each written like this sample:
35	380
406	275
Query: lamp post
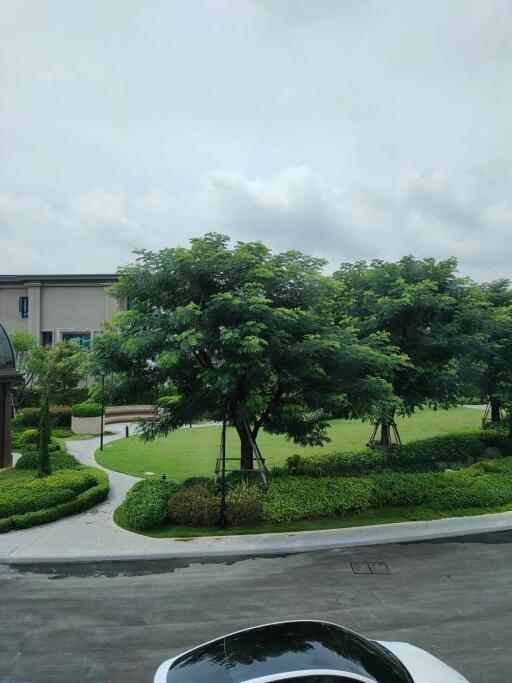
222	520
102	409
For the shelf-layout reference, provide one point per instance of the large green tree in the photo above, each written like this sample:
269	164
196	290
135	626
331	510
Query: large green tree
417	302
244	329
488	347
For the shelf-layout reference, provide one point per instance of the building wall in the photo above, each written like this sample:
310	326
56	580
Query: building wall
9	312
57	308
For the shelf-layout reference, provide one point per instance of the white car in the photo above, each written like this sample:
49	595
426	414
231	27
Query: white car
304	652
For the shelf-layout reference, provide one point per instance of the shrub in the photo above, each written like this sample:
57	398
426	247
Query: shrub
78	503
145	504
244	505
292	498
395	488
31	396
18	499
87	409
30	437
58	460
464	490
194	506
208	483
59	417
428	455
75	480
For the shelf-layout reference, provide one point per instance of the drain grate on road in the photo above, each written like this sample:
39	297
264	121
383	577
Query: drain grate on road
369	568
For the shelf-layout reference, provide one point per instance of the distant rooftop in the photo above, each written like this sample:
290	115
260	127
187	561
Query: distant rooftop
20	279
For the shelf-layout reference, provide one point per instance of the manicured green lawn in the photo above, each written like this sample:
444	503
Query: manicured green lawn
191	452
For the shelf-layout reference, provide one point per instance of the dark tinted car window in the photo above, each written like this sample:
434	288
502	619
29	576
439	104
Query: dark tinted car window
204	664
278	648
376	661
321	679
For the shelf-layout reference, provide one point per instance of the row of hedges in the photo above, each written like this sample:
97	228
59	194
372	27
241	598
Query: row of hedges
31	396
79	503
429	455
62	493
60	416
29	417
59	460
483	485
151	503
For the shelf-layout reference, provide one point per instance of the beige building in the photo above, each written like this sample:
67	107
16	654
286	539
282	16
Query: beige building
57	307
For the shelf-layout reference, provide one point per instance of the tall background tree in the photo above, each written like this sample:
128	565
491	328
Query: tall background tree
219	327
487	353
417	303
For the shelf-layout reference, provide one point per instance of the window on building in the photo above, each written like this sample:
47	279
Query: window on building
23	306
129	304
47	338
83	339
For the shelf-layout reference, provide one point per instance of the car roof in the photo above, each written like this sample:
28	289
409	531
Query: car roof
285	647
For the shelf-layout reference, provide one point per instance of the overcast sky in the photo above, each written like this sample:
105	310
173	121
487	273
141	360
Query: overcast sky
350	129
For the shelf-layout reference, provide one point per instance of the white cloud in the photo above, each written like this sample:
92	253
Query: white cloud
360	128
428	215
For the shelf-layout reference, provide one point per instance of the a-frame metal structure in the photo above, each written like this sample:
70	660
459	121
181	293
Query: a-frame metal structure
222	460
394	435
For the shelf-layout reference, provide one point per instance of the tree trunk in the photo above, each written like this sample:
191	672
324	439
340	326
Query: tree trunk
385	433
495	410
246	452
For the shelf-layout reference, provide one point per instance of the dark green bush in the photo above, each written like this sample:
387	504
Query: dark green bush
292	498
19	499
59	417
397	488
428	455
31	396
30	437
244	505
75	480
194	506
145	504
88	409
78	503
58	460
208	483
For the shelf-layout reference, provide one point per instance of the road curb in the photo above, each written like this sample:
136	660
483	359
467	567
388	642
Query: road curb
289	543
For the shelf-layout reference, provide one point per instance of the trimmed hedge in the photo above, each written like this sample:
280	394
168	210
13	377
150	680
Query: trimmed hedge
428	455
292	498
86	410
30	437
59	460
31	396
145	504
483	485
59	417
79	503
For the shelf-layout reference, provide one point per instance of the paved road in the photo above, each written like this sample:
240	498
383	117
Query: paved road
115	622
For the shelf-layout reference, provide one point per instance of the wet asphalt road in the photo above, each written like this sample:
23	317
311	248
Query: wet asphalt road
115	622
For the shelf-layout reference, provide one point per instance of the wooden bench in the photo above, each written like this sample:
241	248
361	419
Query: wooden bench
116	414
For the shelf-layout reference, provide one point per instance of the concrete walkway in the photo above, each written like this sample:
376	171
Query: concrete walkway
93	535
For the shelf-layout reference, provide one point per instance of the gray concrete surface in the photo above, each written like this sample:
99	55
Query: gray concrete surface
115	622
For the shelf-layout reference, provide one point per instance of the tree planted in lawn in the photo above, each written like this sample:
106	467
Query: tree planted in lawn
417	303
488	351
249	330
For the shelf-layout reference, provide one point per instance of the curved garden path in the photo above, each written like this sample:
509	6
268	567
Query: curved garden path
93	535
